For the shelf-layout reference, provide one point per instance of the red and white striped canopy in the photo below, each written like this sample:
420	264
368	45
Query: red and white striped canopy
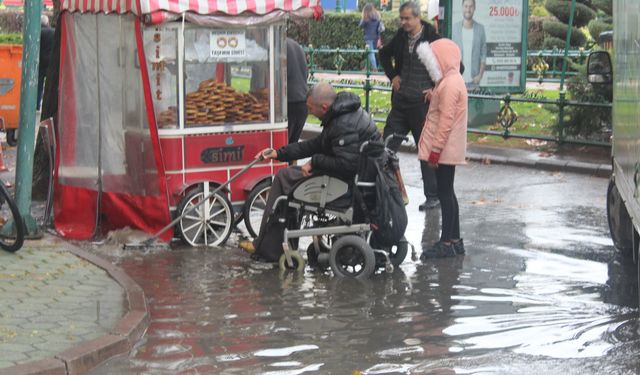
231	7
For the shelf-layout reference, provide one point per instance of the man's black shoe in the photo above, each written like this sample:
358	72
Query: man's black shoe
429	204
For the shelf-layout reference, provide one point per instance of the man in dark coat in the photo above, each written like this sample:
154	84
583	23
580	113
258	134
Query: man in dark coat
46	45
410	79
336	152
297	73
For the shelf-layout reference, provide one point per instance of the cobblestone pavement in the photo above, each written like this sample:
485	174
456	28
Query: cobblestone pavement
52	300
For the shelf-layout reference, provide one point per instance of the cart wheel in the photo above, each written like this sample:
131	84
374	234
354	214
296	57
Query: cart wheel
298	262
351	256
207	225
12	137
254	207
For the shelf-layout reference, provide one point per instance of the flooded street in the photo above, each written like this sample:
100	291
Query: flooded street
540	290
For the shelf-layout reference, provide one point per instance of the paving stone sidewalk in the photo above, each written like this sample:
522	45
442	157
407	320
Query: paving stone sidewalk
64	310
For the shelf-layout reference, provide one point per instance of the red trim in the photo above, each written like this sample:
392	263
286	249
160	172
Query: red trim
153	127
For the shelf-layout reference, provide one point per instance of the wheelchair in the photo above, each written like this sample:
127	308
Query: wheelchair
325	208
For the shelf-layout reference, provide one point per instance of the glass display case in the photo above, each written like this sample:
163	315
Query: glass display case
204	77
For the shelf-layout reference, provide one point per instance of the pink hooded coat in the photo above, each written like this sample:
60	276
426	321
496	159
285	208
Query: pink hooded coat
445	128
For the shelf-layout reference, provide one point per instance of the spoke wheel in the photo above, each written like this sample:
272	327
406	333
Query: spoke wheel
209	224
255	206
9	213
351	256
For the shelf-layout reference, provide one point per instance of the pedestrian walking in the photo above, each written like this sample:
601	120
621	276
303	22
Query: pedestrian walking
443	141
297	73
372	25
410	79
46	46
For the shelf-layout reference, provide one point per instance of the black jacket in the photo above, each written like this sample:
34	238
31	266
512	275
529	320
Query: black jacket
336	150
391	54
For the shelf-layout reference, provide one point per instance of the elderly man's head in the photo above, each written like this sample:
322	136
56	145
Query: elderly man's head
320	98
44	20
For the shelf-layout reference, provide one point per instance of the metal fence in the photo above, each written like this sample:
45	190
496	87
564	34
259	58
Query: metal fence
543	68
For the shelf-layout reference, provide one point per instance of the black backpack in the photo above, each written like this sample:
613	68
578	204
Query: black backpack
383	205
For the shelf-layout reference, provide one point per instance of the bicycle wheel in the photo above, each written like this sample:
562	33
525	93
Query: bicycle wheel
9	213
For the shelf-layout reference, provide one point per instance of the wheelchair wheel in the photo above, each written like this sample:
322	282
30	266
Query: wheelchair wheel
207	225
397	253
254	207
298	262
312	254
9	211
351	256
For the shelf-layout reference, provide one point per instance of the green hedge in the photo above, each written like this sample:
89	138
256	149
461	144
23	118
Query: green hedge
561	9
340	30
535	36
11	22
559	30
603	5
596	27
12	38
552	42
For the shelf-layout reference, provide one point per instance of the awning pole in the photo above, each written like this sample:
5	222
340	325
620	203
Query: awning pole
27	126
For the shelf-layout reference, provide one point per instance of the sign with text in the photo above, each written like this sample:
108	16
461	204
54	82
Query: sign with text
491	35
228	43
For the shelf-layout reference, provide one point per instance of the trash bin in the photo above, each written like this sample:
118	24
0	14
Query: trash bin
10	75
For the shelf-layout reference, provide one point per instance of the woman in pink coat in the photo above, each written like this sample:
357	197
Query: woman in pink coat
443	141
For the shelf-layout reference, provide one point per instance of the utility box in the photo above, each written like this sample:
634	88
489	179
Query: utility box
10	77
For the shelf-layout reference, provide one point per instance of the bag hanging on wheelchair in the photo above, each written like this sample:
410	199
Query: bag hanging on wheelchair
382	205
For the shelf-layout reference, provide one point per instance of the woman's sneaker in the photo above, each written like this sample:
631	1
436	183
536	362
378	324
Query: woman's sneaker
458	246
439	250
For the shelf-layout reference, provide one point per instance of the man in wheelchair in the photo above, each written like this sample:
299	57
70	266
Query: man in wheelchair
335	152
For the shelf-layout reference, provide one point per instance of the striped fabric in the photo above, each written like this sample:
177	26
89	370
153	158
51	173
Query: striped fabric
232	7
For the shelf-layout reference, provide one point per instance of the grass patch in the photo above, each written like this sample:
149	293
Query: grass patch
533	118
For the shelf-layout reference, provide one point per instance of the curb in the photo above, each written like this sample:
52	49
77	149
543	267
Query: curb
87	355
551	165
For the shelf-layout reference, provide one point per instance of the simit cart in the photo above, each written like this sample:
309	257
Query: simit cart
162	101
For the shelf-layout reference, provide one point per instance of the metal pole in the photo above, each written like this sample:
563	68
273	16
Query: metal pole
27	126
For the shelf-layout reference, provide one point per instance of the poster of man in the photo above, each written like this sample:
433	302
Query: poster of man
490	36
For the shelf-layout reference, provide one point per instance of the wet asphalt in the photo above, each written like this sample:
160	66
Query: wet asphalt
540	290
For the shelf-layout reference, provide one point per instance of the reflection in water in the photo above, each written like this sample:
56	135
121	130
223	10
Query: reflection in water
557	306
487	312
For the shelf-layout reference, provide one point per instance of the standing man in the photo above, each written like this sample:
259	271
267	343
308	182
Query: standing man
46	45
469	35
297	73
409	80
